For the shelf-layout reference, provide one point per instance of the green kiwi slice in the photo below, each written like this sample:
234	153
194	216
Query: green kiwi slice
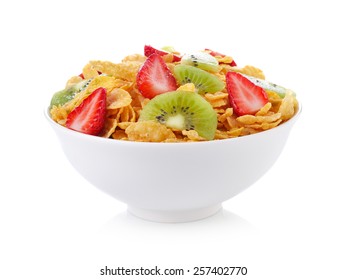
63	96
203	81
201	60
182	110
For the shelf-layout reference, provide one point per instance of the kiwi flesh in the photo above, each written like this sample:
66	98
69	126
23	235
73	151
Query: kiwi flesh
201	60
203	81
182	110
63	96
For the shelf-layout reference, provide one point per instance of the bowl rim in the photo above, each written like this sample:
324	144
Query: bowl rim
135	143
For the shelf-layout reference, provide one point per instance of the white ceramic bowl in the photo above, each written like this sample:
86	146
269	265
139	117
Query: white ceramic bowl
173	182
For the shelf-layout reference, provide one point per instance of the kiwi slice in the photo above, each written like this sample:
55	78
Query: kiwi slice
63	96
182	110
168	49
203	81
201	60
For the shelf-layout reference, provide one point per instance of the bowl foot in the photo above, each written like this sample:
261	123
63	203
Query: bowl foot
177	216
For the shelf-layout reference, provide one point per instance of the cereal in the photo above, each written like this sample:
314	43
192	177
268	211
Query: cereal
89	71
148	131
118	98
125	70
268	118
124	125
227	113
107	82
187	87
73	80
264	110
59	114
264	125
287	107
235	132
134	57
250	71
247	119
119	135
250	119
125	102
123	114
225	59
192	135
109	127
217	99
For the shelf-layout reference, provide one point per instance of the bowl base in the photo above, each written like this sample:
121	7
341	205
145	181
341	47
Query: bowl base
178	216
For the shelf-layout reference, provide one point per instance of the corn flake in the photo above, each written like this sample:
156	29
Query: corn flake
250	71
192	135
287	107
118	98
119	135
217	99
73	80
109	127
187	87
264	110
89	71
148	131
125	70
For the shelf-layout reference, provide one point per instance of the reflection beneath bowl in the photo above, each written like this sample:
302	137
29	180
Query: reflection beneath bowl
223	222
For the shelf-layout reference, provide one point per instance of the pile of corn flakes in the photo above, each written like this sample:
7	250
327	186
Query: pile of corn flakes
124	103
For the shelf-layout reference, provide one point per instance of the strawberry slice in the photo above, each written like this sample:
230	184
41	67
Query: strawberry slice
154	77
222	55
89	117
244	96
149	50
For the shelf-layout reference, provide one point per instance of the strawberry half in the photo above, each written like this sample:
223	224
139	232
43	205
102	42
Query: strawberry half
222	55
154	77
149	50
245	97
89	117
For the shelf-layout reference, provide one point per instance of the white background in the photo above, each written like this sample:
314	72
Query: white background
289	225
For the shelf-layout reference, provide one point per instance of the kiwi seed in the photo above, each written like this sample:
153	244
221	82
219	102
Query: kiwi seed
182	110
201	60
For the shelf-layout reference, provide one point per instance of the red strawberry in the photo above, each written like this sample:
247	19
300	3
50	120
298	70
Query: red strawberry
89	117
154	77
245	97
149	50
220	54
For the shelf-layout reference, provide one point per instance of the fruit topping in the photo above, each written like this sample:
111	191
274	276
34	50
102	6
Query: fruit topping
244	96
203	80
89	117
201	60
149	50
67	94
217	54
154	77
281	91
182	110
